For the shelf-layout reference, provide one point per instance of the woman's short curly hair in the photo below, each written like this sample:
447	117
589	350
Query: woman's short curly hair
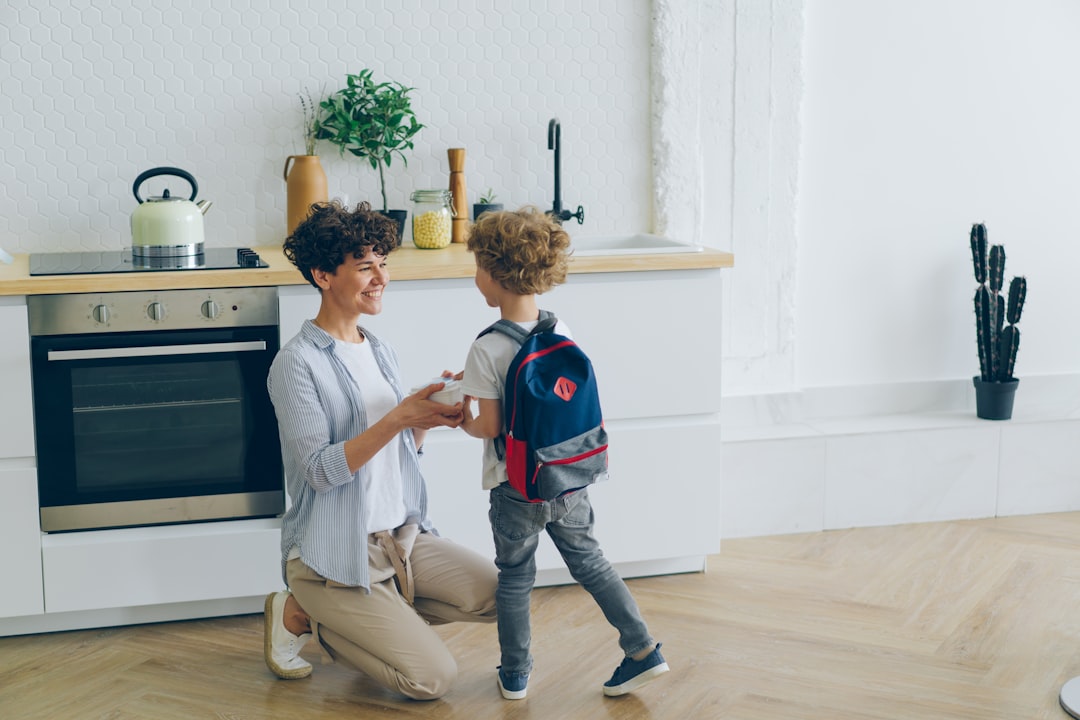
525	251
333	233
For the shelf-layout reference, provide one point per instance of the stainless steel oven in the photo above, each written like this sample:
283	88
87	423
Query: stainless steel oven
151	407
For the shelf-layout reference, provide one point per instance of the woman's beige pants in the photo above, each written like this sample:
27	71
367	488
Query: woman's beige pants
380	633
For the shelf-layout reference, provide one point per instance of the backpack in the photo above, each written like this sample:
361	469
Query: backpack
554	438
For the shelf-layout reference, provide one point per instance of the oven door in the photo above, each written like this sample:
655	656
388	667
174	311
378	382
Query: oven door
148	428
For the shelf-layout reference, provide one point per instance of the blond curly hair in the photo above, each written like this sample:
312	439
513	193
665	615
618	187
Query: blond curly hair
525	251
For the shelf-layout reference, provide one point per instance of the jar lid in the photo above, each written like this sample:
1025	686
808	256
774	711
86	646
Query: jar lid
430	196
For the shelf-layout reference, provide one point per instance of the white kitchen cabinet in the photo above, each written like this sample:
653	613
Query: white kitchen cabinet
661	503
22	539
16	410
654	339
18	475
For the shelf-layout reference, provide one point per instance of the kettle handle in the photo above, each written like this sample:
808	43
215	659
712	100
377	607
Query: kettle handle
154	172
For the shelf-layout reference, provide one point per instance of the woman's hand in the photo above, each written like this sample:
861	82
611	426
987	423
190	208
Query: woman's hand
419	412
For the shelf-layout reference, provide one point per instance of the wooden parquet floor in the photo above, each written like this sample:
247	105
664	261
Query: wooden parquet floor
971	619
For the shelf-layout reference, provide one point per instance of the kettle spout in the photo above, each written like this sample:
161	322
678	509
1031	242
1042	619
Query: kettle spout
204	205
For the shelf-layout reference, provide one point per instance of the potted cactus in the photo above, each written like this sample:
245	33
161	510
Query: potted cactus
995	320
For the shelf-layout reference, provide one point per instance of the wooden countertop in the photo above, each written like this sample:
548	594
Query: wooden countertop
406	263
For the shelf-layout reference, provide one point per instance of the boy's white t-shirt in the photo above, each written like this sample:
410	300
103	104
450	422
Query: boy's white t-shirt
485	377
385	506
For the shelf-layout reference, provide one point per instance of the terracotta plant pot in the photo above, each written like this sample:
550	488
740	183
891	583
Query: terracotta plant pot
305	185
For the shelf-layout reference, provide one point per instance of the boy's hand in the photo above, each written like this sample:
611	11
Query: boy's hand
466	410
488	424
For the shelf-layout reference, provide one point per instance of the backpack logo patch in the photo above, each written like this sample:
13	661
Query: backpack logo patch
565	388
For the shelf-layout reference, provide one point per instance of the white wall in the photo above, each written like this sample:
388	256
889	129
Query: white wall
920	118
92	94
841	148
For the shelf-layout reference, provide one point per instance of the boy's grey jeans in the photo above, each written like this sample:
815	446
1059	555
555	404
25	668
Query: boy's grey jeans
516	524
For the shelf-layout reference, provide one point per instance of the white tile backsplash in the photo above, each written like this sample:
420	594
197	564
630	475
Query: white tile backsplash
92	94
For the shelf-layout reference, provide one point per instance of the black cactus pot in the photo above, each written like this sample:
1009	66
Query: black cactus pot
479	209
994	398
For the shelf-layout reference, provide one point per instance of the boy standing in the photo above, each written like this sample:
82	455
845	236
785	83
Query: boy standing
518	256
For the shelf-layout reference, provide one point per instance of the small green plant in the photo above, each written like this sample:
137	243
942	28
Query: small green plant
311	112
998	342
488	197
370	120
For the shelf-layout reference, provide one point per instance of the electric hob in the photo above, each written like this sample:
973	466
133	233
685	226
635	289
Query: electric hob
123	261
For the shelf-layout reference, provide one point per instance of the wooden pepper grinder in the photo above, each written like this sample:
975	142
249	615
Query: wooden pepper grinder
459	229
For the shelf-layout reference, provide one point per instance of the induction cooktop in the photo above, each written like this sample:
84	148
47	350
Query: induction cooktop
123	261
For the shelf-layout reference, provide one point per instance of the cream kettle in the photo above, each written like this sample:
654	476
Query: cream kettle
167	226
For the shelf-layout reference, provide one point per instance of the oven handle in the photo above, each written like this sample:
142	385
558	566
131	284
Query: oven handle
157	350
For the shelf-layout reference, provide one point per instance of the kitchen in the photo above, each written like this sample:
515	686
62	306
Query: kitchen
95	570
95	95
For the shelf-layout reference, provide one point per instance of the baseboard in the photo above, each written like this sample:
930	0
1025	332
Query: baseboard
832	458
644	568
114	617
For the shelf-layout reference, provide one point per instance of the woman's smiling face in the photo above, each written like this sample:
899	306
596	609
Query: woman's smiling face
356	286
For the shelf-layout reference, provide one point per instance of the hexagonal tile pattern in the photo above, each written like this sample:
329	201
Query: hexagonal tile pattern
91	96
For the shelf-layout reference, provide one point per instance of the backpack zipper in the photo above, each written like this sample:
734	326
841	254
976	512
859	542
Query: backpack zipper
566	461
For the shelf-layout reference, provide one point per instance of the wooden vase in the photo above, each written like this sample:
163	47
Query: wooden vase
305	185
459	227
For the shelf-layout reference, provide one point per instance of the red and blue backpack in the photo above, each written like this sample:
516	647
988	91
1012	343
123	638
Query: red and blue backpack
554	437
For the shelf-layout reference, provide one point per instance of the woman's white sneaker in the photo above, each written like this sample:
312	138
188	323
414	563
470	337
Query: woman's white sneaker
280	647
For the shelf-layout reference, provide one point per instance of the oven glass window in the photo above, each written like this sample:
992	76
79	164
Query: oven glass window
176	425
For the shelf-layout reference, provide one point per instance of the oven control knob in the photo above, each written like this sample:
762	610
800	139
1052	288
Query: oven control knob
210	309
155	311
101	314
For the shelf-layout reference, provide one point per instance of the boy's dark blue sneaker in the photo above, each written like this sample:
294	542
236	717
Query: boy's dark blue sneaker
513	686
632	674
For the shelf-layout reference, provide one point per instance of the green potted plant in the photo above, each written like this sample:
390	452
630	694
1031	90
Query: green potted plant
374	121
485	204
996	320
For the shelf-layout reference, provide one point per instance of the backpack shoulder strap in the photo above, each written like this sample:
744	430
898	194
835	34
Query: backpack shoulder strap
546	323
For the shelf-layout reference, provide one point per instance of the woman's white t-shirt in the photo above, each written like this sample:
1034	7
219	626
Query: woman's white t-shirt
385	506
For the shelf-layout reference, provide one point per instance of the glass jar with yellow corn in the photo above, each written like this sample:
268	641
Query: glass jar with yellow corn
432	215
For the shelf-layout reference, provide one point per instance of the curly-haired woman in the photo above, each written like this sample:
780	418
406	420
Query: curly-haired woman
367	574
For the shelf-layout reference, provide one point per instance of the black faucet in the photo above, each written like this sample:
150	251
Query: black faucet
557	212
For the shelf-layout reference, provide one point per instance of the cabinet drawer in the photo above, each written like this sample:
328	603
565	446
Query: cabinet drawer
22	542
170	564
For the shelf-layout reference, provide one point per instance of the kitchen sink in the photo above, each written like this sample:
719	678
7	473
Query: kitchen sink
639	244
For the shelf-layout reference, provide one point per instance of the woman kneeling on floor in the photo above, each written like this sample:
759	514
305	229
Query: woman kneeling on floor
368	575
